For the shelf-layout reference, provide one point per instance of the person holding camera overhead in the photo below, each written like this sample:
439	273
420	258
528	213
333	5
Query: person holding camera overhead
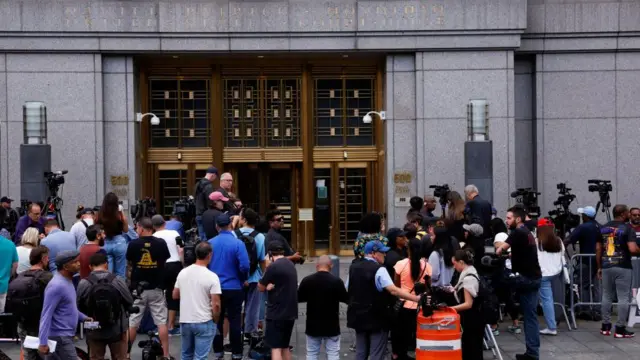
466	293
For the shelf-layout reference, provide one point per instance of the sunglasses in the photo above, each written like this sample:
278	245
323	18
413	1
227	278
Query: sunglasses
280	219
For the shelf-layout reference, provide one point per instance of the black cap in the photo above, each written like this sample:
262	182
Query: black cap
65	257
223	220
6	199
275	246
212	170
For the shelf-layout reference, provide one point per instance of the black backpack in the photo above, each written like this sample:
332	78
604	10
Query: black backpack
250	243
105	302
25	298
486	302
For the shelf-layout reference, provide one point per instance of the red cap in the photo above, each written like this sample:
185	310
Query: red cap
544	222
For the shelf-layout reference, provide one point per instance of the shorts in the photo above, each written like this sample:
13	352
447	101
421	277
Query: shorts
278	333
154	299
171	271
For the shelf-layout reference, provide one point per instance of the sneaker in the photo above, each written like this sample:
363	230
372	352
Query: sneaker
227	348
548	332
605	329
525	357
515	329
175	332
495	332
623	333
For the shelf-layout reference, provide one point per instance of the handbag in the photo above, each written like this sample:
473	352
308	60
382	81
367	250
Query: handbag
399	304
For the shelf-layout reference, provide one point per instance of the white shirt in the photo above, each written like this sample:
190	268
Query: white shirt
502	237
169	236
23	259
79	231
551	264
197	284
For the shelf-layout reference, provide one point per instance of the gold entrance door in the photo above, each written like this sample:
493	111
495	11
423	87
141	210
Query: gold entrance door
343	195
173	182
266	186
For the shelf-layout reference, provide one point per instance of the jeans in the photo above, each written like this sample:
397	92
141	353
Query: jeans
616	280
546	300
116	248
252	309
197	339
371	344
231	304
201	232
528	295
587	275
65	349
331	344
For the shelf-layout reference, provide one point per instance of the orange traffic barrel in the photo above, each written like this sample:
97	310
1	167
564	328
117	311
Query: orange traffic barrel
438	336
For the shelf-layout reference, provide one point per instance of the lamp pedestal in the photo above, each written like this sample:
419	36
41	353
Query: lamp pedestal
35	160
478	167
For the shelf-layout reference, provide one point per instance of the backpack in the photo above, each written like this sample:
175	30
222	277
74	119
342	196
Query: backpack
249	241
104	303
25	298
486	302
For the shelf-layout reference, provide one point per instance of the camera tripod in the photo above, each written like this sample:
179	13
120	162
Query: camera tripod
605	202
53	206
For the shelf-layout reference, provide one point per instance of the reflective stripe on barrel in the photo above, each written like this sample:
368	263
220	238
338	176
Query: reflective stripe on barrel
438	345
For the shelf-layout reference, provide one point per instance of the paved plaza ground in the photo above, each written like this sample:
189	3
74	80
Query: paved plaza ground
585	343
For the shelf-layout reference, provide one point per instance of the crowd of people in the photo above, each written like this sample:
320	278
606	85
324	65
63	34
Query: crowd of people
106	274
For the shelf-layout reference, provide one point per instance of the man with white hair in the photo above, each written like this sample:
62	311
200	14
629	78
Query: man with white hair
479	210
323	292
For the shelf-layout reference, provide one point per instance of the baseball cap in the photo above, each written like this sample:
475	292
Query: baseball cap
6	199
587	210
494	211
157	220
544	222
501	237
64	257
223	220
275	246
218	196
473	229
375	246
212	170
394	233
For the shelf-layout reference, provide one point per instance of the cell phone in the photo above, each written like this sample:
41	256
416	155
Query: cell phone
91	325
120	208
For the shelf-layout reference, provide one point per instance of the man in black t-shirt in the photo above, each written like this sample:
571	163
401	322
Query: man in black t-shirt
524	260
323	292
613	257
146	256
280	280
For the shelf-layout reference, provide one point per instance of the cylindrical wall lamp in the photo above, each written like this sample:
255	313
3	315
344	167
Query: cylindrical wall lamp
478	120
35	122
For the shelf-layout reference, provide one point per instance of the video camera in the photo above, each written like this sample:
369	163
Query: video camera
185	209
143	208
600	186
529	199
562	217
54	180
442	193
190	242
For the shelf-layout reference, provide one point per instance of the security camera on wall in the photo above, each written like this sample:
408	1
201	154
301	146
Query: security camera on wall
367	119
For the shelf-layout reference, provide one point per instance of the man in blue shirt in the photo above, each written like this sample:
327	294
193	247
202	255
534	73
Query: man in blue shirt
175	224
33	218
56	241
8	267
587	235
231	263
248	220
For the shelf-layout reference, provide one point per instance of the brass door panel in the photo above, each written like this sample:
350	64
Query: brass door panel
173	182
352	204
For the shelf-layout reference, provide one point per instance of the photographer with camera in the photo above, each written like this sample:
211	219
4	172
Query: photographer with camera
11	219
466	293
524	260
203	189
370	289
587	235
106	298
33	218
478	209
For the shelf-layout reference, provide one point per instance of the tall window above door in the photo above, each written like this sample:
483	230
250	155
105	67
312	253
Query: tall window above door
262	112
183	108
339	105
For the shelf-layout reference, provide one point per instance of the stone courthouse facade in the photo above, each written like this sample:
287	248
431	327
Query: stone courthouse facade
275	93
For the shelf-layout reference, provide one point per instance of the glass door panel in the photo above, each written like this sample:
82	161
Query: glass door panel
250	187
172	185
280	193
322	210
352	204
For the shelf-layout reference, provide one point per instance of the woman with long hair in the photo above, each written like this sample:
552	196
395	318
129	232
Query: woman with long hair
30	240
115	225
552	261
371	228
440	258
455	215
408	273
466	291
